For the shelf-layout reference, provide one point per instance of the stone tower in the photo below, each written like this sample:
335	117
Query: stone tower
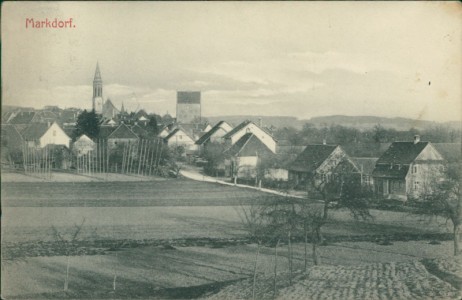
97	91
188	107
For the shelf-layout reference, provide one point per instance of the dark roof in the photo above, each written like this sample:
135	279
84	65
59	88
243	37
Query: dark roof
451	152
189	97
11	136
366	164
122	132
390	171
44	116
142	133
402	153
237	128
105	131
312	157
34	131
24	117
69	116
206	136
249	145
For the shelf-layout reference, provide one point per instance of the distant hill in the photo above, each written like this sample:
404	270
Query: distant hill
364	122
267	121
360	122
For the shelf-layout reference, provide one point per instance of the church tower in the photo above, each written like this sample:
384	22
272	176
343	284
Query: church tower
97	91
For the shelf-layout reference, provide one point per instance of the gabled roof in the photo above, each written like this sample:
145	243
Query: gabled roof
249	145
23	117
451	152
365	164
142	133
34	131
174	131
391	171
122	132
44	116
106	131
312	157
402	153
206	136
237	128
11	136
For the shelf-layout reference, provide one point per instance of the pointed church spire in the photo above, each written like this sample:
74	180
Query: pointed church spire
97	73
122	109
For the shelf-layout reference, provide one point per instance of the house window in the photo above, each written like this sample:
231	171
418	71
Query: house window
416	185
414	169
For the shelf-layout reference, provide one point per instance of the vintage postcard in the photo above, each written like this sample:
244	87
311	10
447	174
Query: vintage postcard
231	150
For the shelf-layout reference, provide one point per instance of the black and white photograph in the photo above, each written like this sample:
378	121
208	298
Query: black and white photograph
231	150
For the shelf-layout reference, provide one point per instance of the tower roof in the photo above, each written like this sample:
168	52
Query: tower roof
97	73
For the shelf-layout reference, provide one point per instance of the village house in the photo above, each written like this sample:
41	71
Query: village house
246	156
318	163
121	135
249	127
83	145
215	134
365	167
178	137
39	135
407	170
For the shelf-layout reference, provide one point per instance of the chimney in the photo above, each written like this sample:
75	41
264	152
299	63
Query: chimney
323	141
416	139
260	122
48	124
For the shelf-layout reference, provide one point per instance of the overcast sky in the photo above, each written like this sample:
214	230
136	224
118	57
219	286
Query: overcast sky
277	58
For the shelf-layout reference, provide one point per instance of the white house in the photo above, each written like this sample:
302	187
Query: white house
83	145
249	127
215	134
40	135
178	137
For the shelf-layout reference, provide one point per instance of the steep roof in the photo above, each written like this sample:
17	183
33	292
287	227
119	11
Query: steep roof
11	136
237	128
174	131
106	131
34	131
206	136
122	132
366	164
402	153
249	145
142	133
452	152
97	73
23	117
312	157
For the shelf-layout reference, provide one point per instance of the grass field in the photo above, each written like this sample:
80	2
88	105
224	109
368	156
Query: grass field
178	214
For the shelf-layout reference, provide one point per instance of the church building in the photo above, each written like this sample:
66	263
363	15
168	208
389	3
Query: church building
97	103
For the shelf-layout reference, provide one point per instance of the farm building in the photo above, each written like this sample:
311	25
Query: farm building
180	138
40	135
249	127
83	145
215	134
365	166
121	135
318	162
246	155
407	169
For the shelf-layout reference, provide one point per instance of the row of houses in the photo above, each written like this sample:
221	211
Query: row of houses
403	170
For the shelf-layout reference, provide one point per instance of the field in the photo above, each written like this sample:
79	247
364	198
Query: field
177	238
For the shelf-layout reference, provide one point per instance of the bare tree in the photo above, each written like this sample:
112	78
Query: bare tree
444	199
67	243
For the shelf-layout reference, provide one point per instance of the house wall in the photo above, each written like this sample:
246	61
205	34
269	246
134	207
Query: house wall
422	176
55	136
247	166
112	143
181	139
277	174
217	135
83	145
258	132
164	133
